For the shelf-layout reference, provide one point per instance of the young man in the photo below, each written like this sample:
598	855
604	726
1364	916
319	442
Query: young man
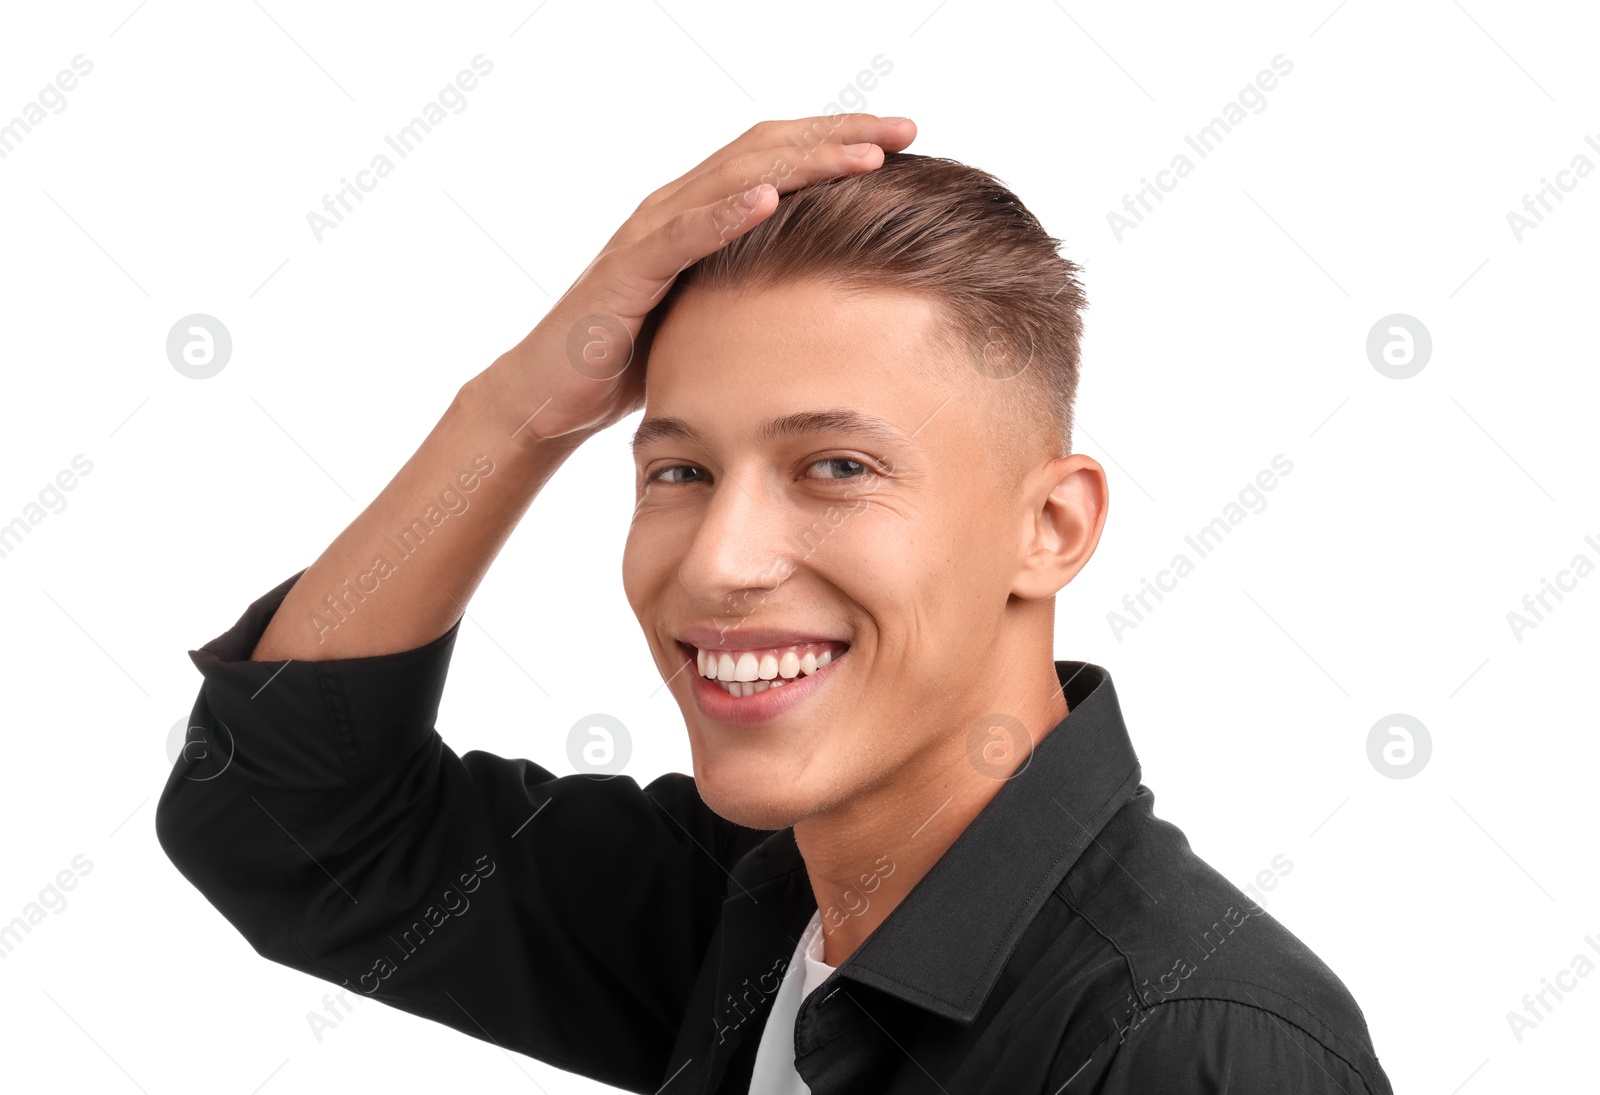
915	854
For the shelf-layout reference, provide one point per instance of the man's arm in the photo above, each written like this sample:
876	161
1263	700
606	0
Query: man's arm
405	568
537	403
317	807
563	917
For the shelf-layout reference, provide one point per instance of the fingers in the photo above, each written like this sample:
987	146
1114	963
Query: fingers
707	207
637	274
766	146
787	168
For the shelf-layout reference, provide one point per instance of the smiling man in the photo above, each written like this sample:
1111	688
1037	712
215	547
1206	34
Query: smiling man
915	854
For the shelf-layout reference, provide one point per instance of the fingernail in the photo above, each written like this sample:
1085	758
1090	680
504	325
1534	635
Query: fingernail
749	198
893	121
858	149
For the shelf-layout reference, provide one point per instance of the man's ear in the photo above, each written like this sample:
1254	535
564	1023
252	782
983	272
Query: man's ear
1066	502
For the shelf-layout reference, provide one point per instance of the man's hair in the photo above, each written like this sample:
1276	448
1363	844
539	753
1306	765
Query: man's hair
950	232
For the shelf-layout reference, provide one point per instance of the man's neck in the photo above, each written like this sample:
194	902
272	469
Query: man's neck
864	857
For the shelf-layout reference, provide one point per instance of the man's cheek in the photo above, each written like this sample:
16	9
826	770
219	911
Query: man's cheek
649	560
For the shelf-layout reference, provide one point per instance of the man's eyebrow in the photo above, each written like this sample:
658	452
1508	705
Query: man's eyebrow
838	420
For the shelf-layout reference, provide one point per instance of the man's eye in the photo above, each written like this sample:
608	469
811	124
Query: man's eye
852	469
667	475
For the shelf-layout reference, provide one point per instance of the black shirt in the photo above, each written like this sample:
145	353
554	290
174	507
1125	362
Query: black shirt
1069	941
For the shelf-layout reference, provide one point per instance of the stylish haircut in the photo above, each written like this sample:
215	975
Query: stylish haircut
1005	298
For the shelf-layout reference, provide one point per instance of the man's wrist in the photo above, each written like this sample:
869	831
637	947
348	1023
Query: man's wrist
501	398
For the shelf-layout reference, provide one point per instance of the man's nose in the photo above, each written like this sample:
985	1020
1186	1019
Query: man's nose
741	550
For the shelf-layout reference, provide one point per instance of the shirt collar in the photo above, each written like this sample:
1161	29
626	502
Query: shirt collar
945	945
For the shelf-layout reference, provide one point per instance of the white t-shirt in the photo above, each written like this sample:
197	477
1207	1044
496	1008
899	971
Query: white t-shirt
774	1072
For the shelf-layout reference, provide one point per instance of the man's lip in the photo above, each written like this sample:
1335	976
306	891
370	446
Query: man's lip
759	708
750	638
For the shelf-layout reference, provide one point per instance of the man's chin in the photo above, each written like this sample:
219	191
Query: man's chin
751	801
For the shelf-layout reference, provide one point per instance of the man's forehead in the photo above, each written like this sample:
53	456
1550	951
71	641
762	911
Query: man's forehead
827	357
804	319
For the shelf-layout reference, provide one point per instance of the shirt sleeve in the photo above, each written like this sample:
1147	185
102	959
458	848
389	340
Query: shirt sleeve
564	917
1210	1046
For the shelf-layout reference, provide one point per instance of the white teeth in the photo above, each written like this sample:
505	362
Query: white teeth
750	671
750	688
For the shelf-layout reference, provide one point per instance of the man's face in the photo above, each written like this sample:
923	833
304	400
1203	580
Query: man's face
897	548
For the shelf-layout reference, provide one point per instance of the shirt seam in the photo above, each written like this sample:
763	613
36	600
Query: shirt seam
337	707
1151	1009
1328	1036
1127	960
1141	1005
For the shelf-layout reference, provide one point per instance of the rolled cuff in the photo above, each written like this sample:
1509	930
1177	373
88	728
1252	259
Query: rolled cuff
310	724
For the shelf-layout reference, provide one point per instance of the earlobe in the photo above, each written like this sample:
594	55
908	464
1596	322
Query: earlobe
1064	524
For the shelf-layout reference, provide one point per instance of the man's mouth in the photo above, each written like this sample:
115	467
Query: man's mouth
746	672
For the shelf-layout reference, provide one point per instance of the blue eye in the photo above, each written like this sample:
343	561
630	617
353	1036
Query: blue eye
860	469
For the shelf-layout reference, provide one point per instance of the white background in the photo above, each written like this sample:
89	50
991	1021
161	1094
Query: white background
1228	327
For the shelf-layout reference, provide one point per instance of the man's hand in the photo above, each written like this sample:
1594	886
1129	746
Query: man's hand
577	371
520	418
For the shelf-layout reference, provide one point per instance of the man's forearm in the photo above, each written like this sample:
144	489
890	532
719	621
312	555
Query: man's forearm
401	574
